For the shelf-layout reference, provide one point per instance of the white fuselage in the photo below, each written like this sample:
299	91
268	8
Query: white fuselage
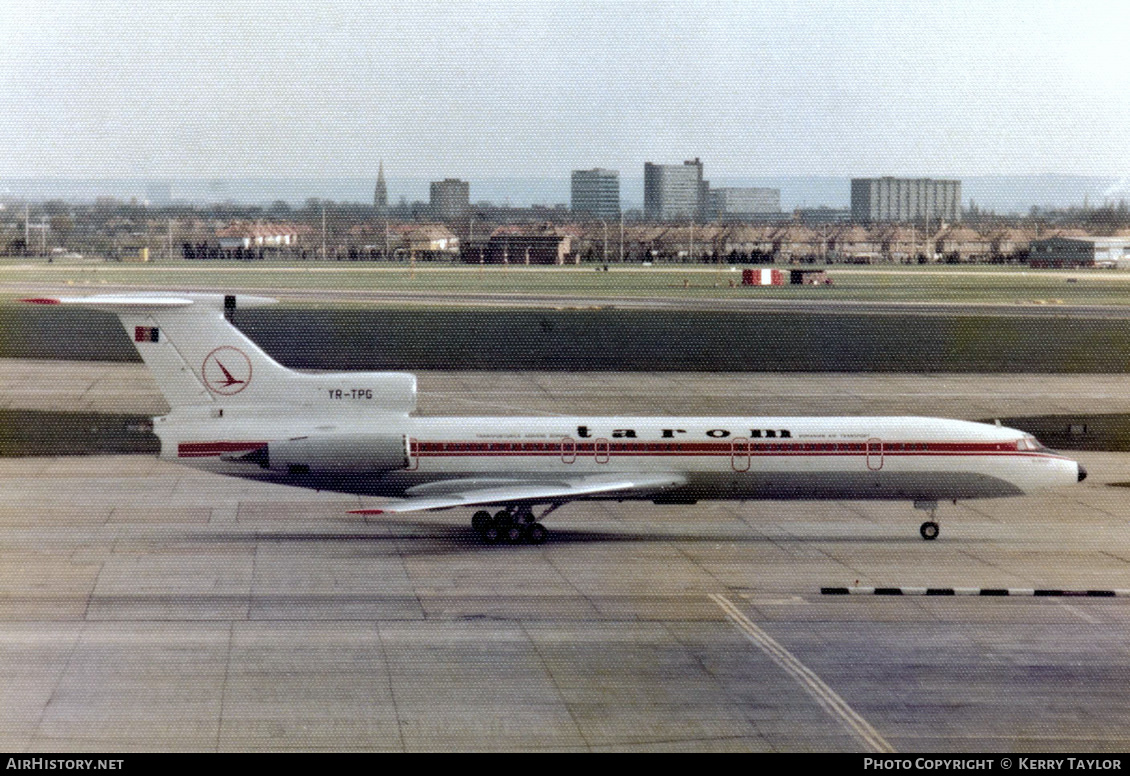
915	458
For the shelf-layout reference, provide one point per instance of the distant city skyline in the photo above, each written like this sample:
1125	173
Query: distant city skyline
1002	194
506	89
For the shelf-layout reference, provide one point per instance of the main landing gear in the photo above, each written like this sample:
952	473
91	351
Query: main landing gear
510	526
929	529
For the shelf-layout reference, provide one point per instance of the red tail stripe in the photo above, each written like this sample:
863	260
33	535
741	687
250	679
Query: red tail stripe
206	449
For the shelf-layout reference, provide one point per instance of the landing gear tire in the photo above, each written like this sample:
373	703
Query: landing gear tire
517	526
929	530
481	521
536	533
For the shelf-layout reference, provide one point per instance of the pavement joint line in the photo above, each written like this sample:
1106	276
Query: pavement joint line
828	698
1079	613
224	687
1113	555
391	685
1038	592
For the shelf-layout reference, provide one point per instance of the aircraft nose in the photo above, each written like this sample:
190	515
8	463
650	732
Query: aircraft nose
1082	473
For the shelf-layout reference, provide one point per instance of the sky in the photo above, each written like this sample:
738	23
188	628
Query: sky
321	88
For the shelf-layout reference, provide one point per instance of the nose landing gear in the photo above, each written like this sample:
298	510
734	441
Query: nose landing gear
928	529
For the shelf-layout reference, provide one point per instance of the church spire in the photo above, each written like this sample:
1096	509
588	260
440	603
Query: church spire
380	194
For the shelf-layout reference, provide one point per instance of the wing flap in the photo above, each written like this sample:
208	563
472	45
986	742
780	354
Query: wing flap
535	492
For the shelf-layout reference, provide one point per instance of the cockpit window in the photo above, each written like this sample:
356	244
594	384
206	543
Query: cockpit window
1028	442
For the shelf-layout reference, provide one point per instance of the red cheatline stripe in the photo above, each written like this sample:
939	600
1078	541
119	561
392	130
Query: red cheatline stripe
41	300
716	454
490	449
206	449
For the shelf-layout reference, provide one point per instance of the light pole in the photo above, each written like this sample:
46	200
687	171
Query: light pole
621	236
471	241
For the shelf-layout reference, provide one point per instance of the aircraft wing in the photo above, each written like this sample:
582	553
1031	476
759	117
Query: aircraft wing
469	493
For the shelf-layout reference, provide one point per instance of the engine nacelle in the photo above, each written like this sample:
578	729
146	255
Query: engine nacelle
336	453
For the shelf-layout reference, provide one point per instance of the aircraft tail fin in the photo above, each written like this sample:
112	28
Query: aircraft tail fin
199	358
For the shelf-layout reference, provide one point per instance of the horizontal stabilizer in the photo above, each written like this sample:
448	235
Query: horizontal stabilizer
154	301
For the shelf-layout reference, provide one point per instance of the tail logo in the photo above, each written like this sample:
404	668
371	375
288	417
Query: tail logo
226	371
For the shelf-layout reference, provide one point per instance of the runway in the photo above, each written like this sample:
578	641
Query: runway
1006	308
144	606
92	386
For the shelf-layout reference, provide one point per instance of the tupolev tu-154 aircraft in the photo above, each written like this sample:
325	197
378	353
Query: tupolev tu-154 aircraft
236	411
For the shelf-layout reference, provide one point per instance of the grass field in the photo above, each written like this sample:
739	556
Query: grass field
978	284
32	432
615	339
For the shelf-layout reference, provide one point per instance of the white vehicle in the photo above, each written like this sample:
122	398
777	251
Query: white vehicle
235	411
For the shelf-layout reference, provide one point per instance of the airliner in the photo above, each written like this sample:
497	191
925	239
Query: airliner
235	411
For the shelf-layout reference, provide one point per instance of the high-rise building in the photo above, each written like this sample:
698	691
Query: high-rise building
737	203
380	193
674	191
450	199
596	193
890	200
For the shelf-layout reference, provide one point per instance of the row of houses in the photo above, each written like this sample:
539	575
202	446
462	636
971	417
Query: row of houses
851	244
400	239
793	243
258	235
368	241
